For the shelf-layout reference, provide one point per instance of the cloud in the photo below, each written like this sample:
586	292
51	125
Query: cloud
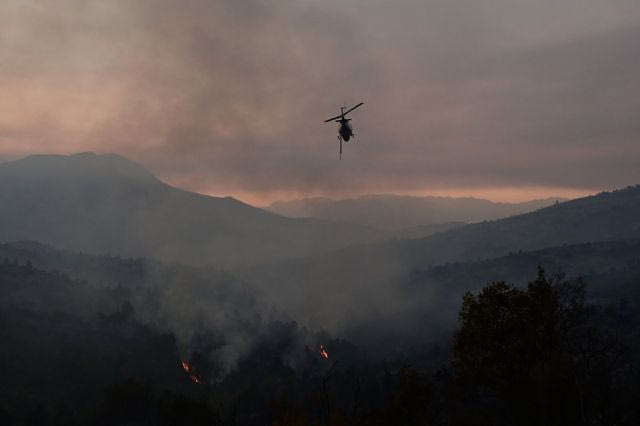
229	97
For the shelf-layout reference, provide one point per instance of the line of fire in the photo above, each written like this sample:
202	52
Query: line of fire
197	378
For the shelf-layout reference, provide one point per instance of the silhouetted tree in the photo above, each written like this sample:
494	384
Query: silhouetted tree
514	355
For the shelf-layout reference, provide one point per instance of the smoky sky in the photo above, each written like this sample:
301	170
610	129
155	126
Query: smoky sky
229	97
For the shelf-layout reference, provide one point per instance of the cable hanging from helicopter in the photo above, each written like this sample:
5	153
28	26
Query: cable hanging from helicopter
345	131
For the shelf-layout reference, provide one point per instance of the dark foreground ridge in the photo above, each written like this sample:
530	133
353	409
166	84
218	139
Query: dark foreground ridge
116	354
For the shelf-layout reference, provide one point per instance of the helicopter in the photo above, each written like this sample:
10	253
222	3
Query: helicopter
345	132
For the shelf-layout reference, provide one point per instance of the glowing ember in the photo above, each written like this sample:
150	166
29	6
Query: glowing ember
193	375
323	352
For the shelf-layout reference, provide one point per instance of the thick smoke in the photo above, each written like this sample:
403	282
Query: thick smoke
229	98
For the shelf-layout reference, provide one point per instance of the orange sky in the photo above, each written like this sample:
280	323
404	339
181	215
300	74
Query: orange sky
507	195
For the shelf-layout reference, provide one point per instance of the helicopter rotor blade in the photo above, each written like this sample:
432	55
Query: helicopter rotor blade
334	118
349	110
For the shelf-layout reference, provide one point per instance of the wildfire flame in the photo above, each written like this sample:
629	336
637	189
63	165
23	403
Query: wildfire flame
193	375
323	352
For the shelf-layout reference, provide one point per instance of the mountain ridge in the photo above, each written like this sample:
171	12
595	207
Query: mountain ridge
108	204
395	212
378	269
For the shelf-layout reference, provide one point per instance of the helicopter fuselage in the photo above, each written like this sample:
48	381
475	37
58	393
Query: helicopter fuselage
345	130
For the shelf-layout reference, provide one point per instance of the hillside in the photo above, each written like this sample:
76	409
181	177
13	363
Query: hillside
609	268
431	298
605	216
316	288
393	212
107	204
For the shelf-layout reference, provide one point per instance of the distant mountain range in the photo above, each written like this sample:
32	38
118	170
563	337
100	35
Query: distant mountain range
379	271
107	204
394	212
